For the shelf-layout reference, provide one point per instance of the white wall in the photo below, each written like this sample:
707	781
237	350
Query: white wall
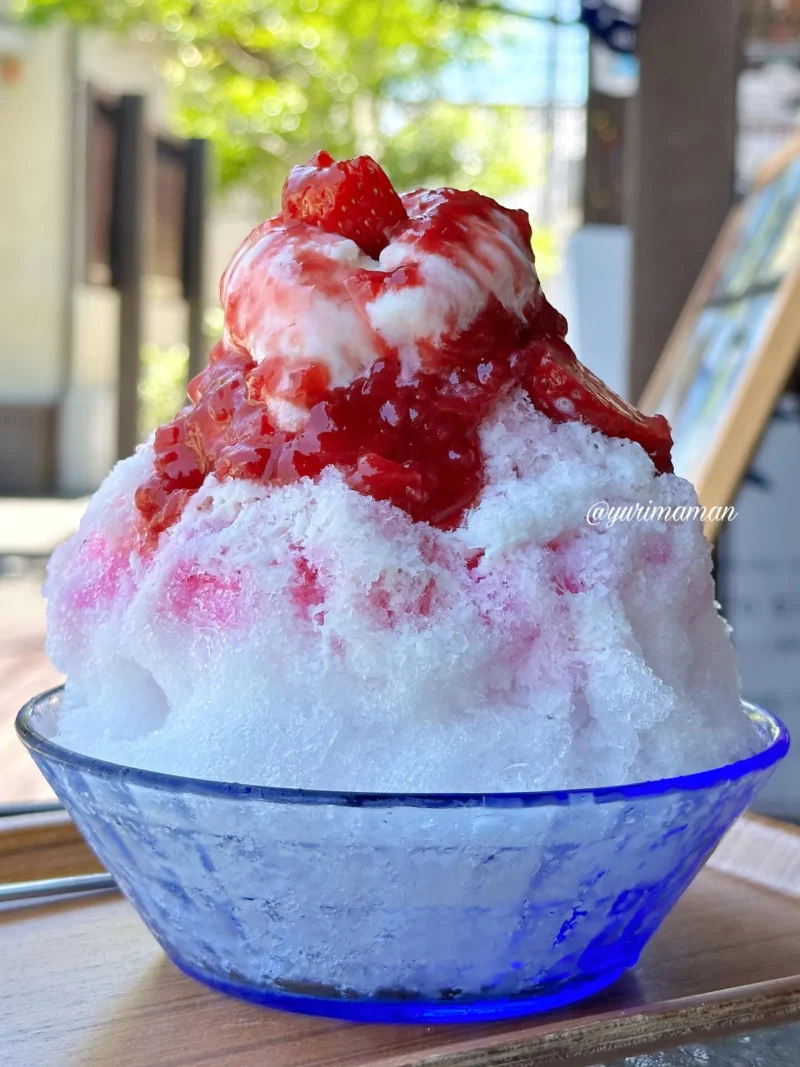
760	588
34	160
165	315
598	282
117	65
88	422
228	223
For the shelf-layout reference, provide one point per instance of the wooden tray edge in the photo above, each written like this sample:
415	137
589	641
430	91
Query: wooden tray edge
45	845
594	1038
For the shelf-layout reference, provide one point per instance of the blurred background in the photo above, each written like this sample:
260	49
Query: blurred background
140	140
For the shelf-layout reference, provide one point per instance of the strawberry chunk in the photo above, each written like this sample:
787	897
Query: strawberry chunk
561	387
402	483
353	197
174	458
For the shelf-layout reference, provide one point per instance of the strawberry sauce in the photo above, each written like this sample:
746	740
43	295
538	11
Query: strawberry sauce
411	439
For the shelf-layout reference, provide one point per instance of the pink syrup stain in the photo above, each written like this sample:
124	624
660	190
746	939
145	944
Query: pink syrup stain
563	576
657	549
380	603
386	606
306	590
197	596
108	566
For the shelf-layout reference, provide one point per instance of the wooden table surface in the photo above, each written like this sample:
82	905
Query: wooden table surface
25	671
83	984
30	528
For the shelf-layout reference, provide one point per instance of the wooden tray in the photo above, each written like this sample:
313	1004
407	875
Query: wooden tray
83	984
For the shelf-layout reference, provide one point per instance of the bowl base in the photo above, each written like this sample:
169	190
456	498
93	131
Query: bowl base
413	1011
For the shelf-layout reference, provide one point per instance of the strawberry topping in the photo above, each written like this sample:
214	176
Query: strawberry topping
409	436
565	390
353	198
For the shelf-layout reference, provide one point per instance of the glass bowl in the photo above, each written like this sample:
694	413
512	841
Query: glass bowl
392	907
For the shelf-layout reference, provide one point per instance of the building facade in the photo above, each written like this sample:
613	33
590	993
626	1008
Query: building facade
102	218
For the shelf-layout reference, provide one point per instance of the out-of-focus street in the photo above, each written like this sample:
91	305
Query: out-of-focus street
29	530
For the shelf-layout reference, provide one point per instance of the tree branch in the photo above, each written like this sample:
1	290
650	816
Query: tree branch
247	61
493	8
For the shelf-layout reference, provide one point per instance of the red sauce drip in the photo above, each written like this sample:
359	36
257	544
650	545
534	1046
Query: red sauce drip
414	443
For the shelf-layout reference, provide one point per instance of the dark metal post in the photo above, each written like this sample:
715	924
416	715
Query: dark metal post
194	249
683	166
604	199
127	263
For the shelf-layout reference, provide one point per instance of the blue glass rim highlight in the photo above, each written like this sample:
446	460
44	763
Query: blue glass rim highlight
762	760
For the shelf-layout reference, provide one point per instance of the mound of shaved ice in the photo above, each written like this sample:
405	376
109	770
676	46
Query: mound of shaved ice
310	636
328	628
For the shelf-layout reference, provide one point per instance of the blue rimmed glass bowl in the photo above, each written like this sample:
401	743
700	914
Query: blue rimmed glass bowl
384	907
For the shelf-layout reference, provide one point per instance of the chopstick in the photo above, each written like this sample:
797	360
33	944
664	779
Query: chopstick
32	808
56	887
44	888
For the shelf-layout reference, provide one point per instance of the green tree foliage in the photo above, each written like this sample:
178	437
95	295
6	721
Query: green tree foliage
270	81
162	384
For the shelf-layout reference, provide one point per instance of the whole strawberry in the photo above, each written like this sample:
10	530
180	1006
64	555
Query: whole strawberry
353	197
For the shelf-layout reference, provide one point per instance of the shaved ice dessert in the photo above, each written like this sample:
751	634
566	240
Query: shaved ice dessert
366	712
359	559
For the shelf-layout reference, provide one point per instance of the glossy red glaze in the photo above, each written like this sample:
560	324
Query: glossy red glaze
564	389
412	441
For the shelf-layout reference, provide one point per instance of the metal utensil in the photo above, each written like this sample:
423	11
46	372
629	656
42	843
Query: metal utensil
56	887
36	807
